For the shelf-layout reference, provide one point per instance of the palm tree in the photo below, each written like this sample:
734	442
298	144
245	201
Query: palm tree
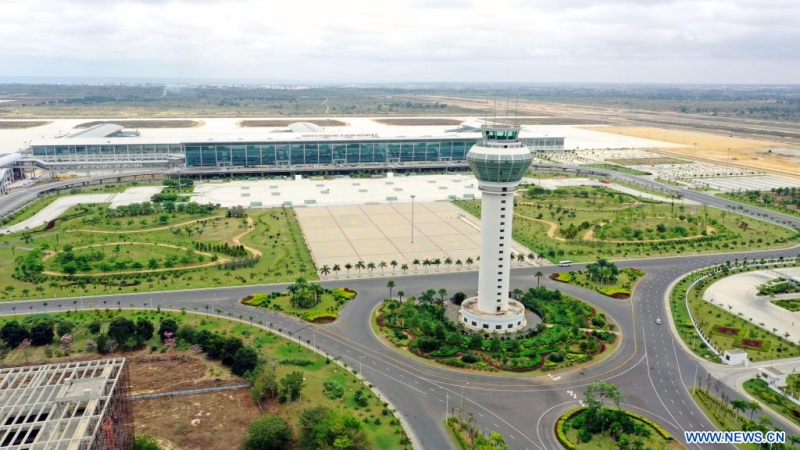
459	263
754	407
794	439
521	258
539	276
25	292
53	285
393	264
348	266
39	289
404	268
531	256
400	295
426	262
390	285
436	262
336	269
415	263
448	261
469	261
382	265
10	289
325	270
765	421
371	267
360	265
738	405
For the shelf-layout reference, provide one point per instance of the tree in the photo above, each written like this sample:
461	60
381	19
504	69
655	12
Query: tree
404	268
120	329
754	407
469	261
394	265
167	325
144	330
739	405
360	265
322	427
371	267
264	382
348	266
268	432
390	285
94	326
245	360
290	386
539	276
400	295
458	298
382	265
336	269
599	391
13	333
325	270
42	333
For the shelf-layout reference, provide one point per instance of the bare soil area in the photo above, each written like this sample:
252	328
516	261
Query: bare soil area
176	372
16	125
726	149
146	123
216	420
425	121
285	123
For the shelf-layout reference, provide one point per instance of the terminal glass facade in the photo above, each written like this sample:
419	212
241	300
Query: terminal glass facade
278	153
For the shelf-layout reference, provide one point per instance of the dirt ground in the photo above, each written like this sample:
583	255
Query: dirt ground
146	123
775	157
216	420
419	122
285	123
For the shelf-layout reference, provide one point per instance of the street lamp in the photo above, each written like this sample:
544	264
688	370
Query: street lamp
412	218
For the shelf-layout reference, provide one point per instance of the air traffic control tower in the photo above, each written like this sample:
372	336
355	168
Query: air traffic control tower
499	161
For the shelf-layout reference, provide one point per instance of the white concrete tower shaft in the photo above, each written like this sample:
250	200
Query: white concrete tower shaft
499	162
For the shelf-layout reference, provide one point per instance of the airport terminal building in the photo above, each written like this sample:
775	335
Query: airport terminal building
301	145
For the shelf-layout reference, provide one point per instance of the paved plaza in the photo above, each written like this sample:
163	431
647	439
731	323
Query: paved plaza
375	233
739	292
732	184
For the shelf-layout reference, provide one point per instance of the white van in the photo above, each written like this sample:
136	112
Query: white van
564	263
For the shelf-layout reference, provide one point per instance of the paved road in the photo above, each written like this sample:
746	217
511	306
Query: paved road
651	366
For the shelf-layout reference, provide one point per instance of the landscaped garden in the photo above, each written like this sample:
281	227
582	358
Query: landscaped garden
318	402
724	329
736	414
792	305
778	286
310	302
600	427
604	277
586	223
571	332
784	200
158	245
617	168
760	390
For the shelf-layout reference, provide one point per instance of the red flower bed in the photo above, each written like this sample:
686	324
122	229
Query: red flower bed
726	330
752	343
796	413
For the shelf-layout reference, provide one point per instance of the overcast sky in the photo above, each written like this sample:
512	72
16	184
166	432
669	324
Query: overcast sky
730	41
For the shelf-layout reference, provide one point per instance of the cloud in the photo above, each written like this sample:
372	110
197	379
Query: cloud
405	40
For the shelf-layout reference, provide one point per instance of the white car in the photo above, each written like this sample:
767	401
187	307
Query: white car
658	321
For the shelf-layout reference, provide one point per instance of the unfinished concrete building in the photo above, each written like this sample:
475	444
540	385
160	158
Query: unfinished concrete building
71	406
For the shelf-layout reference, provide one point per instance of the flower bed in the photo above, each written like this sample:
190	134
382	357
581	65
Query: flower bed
752	343
727	331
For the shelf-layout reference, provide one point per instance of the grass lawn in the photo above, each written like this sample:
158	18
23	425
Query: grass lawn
761	392
731	420
621	288
326	310
756	198
384	434
586	223
792	305
39	204
617	168
725	330
275	237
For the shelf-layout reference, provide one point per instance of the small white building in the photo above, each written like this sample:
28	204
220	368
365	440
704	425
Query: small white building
774	377
735	357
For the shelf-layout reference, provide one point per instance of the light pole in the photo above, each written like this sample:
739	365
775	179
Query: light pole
412	218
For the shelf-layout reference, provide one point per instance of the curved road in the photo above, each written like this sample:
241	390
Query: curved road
651	366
